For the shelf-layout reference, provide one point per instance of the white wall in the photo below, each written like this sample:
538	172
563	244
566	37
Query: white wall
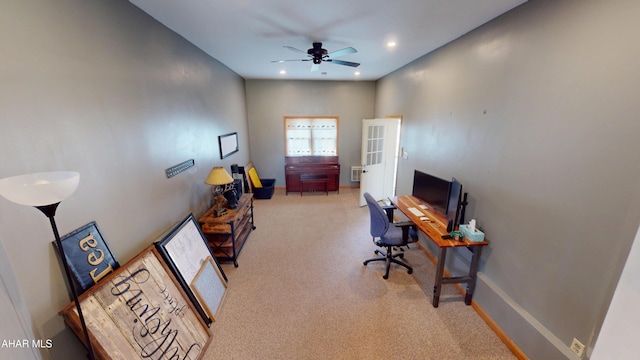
622	325
536	114
101	88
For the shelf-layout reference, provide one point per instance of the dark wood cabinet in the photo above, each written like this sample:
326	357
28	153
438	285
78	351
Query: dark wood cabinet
316	167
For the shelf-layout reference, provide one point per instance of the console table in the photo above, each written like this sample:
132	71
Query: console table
312	170
227	234
434	229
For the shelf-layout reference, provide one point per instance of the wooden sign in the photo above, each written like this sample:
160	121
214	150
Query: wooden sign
139	312
88	255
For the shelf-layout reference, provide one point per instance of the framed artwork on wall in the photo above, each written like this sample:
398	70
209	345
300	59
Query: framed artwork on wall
185	250
228	144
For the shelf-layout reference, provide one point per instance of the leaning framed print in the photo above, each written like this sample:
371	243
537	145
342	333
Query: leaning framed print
88	255
228	144
139	311
209	287
185	250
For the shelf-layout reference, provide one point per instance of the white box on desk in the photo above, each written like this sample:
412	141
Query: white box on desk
473	236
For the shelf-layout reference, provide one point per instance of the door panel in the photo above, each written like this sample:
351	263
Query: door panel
379	157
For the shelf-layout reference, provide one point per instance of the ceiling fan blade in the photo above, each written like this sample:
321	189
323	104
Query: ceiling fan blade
315	67
296	50
278	61
347	63
342	52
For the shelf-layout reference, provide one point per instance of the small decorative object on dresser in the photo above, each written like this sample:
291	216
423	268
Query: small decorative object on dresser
221	182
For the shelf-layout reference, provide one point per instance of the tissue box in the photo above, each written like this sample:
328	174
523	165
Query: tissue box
473	236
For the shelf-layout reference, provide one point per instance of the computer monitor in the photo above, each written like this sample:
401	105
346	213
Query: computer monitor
431	189
453	204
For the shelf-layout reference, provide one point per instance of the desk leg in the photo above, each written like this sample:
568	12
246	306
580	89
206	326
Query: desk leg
439	274
473	273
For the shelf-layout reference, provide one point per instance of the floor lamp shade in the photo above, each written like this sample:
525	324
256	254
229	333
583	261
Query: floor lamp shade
45	191
39	189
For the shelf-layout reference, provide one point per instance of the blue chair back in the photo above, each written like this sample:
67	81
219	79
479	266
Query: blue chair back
379	219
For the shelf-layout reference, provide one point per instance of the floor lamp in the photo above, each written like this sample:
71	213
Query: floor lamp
45	191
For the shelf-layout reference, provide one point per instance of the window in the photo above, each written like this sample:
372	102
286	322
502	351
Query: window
375	144
311	136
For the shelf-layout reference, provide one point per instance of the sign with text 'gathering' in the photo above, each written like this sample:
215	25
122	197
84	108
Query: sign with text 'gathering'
138	312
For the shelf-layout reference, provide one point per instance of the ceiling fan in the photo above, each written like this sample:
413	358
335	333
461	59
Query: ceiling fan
318	55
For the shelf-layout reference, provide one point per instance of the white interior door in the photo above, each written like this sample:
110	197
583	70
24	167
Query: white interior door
14	316
380	141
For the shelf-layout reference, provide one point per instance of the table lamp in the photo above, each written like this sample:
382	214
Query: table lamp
220	182
45	191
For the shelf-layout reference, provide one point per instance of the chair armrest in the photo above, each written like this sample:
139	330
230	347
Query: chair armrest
406	225
389	210
403	224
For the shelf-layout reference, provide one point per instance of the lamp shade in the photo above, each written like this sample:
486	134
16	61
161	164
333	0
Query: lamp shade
218	176
39	189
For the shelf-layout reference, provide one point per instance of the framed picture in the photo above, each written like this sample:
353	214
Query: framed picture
88	255
210	287
228	144
140	312
185	250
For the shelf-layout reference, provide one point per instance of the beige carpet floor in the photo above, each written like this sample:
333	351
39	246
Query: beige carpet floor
302	292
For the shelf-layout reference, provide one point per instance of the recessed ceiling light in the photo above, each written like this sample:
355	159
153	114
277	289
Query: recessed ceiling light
282	72
357	73
391	44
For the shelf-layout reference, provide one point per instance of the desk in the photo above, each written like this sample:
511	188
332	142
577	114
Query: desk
434	229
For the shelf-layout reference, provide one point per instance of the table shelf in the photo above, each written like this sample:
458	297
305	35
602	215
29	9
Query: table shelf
228	233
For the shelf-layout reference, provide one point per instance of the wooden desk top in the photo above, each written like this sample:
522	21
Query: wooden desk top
435	227
232	214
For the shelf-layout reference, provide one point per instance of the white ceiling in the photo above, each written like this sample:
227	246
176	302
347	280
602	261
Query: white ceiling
246	35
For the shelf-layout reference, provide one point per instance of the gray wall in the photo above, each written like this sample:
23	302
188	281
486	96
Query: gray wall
101	88
533	112
268	101
536	114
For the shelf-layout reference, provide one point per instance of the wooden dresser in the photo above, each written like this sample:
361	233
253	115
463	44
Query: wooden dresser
316	167
227	233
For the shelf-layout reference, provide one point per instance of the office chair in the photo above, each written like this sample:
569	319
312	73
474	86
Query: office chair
387	236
